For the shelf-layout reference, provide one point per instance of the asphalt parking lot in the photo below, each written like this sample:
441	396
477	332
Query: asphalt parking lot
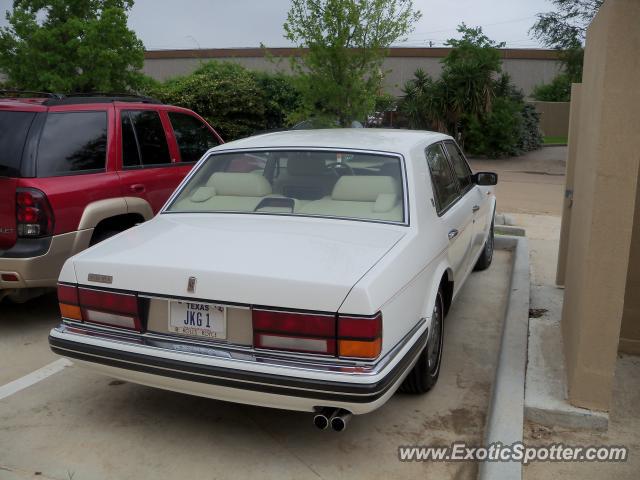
79	425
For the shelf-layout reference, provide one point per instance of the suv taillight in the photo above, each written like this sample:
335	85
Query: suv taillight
328	334
99	306
34	217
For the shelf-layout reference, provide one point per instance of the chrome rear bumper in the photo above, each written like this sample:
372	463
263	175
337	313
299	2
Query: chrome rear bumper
320	381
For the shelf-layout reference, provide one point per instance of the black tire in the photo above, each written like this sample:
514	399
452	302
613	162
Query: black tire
486	257
102	236
426	371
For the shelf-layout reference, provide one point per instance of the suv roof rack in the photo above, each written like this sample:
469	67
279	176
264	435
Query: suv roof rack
30	94
99	97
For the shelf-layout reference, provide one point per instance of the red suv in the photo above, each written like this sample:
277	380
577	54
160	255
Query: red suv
75	170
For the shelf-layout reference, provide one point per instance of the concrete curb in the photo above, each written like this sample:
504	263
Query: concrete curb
509	230
505	417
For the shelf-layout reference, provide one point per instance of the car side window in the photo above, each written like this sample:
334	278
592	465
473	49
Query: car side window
445	187
72	142
143	130
194	137
460	166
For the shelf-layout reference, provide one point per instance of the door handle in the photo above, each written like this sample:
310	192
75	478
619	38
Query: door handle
453	234
137	188
475	208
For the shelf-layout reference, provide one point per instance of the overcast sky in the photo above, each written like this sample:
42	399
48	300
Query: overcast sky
163	24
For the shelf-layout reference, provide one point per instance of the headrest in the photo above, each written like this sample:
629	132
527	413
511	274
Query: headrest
363	188
301	166
234	184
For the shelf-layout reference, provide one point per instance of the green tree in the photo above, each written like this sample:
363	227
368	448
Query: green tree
473	100
424	103
564	29
71	46
566	26
468	74
346	42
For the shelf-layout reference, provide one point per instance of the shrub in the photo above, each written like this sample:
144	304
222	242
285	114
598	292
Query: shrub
236	101
281	98
559	90
530	135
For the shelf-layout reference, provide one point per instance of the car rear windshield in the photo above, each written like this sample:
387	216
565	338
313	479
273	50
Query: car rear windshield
336	184
14	127
73	142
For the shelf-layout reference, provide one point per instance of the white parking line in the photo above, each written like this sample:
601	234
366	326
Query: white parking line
33	377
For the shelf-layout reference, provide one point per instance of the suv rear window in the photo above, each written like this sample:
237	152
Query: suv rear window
14	127
72	142
143	140
194	137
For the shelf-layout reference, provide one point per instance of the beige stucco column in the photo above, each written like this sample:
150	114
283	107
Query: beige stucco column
604	202
630	331
574	130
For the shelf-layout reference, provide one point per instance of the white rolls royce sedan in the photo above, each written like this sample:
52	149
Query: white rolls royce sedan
305	270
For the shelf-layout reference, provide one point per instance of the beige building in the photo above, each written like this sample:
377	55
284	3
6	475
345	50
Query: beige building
527	67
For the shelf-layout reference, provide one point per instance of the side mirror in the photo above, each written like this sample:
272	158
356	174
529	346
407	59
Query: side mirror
485	179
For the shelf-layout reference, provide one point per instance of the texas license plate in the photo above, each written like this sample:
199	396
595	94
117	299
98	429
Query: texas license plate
204	320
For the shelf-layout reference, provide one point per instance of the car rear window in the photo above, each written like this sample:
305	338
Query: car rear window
14	127
72	142
332	184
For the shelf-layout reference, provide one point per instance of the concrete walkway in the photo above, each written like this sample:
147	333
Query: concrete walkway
530	192
624	419
532	183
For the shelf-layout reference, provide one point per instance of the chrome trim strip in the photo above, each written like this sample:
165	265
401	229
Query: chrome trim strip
103	290
247	355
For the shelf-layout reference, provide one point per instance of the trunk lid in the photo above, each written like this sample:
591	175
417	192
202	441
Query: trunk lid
264	260
14	127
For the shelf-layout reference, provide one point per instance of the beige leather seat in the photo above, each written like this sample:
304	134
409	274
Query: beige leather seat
305	178
228	191
364	196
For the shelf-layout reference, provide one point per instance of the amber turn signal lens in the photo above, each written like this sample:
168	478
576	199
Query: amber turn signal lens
70	311
360	348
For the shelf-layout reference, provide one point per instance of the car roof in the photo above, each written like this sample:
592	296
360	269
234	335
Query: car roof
377	139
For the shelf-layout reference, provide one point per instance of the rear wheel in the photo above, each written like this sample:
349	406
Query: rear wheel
425	372
486	257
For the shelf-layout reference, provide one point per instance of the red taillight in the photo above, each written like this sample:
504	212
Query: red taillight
294	323
360	337
298	332
34	217
68	301
360	327
99	306
68	294
350	337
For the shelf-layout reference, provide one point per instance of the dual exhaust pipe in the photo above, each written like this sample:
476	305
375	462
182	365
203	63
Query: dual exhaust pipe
336	418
